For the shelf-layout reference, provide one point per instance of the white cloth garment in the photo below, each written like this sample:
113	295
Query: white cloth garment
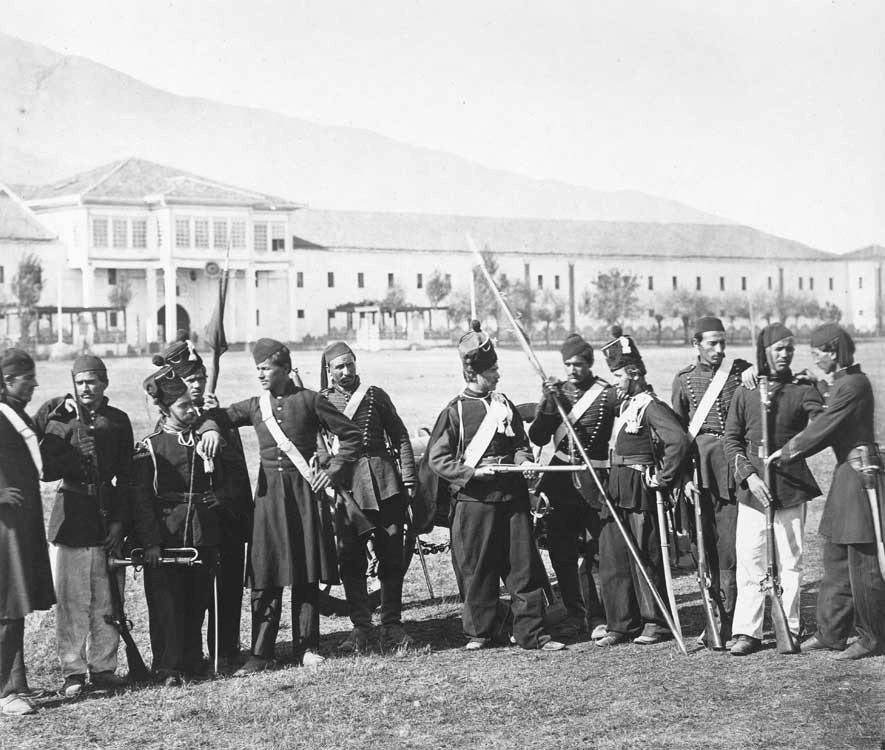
752	564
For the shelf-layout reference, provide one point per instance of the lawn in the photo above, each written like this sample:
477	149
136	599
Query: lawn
440	696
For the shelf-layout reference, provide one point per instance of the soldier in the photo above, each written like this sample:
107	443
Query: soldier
644	429
382	491
491	529
236	524
852	592
25	573
292	540
792	405
180	497
88	520
591	404
702	394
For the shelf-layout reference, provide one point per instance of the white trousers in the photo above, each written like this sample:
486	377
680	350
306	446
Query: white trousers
82	586
752	564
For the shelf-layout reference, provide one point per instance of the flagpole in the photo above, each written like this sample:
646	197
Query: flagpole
216	336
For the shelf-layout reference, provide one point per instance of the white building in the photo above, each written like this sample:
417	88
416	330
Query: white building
299	272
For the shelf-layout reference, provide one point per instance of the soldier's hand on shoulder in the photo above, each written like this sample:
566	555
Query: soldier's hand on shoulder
210	401
11	496
759	489
749	378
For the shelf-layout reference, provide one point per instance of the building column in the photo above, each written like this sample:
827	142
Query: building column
88	279
150	306
293	303
170	298
571	297
251	305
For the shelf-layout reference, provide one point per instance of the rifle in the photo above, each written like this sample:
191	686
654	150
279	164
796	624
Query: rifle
664	534
771	584
710	599
514	469
539	369
137	669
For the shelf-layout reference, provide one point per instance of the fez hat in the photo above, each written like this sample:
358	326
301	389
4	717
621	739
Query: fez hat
708	323
476	350
265	348
835	338
16	362
769	335
332	351
575	346
622	351
89	363
181	355
164	386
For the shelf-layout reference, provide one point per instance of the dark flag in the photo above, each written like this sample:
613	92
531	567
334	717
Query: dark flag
215	330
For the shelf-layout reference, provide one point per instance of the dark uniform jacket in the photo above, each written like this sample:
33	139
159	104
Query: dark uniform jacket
846	423
177	503
594	429
76	520
646	434
375	476
25	573
689	387
450	437
292	540
793	404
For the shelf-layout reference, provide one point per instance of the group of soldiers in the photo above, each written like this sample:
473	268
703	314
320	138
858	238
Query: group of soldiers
338	482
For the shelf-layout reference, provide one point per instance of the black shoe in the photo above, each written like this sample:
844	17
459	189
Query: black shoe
74	685
744	645
816	644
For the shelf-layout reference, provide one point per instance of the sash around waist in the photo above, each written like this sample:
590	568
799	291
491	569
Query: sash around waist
182	498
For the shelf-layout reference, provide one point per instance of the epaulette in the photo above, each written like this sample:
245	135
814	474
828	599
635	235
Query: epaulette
739	365
687	369
604	382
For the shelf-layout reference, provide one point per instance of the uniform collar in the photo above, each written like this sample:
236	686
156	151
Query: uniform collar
851	369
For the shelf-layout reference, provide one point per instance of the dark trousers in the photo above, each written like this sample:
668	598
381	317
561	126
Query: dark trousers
720	523
231	563
177	599
388	521
566	523
266	608
492	542
630	607
12	657
852	596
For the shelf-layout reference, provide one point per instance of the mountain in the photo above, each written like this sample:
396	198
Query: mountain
66	114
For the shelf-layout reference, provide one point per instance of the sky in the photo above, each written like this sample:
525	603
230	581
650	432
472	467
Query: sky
768	113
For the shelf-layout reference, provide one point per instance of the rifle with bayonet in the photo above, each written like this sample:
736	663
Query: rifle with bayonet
771	584
138	671
187	556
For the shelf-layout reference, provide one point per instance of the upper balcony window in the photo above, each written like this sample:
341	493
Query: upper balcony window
238	234
277	237
219	234
139	233
100	232
259	237
201	233
120	233
182	233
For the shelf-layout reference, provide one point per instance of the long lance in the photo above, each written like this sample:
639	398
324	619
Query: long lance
535	362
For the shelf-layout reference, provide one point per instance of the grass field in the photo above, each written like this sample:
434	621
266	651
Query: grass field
440	696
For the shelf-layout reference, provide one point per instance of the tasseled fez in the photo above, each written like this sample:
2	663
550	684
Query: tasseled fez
709	323
575	346
89	363
182	355
164	386
332	352
834	338
476	350
769	335
265	348
622	351
16	362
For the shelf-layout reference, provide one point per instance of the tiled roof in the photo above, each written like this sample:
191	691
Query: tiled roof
17	222
446	233
137	180
871	252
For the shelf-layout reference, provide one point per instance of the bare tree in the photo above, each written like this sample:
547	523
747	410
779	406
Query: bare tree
613	297
438	286
549	310
120	295
688	306
27	286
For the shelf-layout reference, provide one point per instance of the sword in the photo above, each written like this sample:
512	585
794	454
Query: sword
869	472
